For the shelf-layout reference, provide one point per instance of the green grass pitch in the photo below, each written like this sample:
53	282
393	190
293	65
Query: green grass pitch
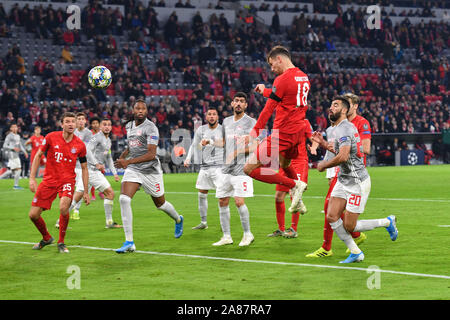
413	267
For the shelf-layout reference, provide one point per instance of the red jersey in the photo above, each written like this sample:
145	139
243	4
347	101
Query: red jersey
61	157
307	133
363	127
36	142
288	97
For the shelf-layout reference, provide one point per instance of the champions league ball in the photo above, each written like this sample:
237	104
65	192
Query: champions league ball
99	77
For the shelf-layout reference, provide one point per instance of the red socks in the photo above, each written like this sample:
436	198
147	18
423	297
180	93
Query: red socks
270	176
281	209
63	223
41	226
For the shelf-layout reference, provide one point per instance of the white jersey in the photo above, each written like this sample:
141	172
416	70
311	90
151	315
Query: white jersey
85	135
210	155
353	171
139	137
98	151
13	141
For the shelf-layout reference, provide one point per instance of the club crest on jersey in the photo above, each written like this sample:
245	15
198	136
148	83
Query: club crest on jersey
139	132
73	150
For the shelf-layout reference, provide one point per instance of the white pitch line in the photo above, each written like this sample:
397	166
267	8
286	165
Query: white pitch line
444	225
305	196
253	261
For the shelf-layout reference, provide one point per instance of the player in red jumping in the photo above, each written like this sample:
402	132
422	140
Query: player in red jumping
364	130
288	97
36	141
301	166
63	149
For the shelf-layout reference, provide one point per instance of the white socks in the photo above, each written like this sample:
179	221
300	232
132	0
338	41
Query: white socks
340	231
108	205
76	205
367	225
203	206
224	213
245	218
127	216
168	208
16	177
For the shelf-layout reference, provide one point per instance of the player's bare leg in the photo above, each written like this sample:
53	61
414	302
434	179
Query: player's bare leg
35	217
169	209
74	207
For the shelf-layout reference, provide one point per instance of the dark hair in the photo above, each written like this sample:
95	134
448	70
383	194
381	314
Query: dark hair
278	50
68	115
241	94
81	114
212	108
12	124
105	119
344	101
139	100
94	119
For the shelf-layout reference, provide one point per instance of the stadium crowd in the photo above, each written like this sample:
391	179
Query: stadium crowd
413	100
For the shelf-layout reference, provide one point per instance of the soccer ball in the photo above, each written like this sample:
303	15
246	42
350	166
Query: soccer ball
99	77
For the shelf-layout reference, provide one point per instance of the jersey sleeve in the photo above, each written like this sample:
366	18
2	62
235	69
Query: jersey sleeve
264	116
83	151
364	130
343	138
90	151
152	135
45	145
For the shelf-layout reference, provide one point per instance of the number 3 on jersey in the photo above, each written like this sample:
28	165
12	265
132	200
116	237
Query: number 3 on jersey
302	94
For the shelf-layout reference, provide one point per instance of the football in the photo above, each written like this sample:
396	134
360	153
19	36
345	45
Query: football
99	77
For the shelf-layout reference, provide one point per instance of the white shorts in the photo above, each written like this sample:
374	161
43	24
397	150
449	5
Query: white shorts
153	184
78	181
356	195
14	164
332	172
96	180
234	186
208	179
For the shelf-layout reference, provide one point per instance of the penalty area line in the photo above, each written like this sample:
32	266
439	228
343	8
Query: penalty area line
308	265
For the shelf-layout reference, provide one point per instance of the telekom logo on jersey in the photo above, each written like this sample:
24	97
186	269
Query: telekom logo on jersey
58	156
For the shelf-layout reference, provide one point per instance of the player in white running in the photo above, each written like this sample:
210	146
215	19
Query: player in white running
14	146
352	188
210	159
142	169
234	182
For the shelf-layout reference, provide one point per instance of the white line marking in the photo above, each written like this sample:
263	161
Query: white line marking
444	225
251	261
305	196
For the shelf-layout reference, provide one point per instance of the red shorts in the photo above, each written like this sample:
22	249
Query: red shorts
284	144
301	168
46	194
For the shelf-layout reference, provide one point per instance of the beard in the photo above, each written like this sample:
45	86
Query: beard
212	124
335	116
